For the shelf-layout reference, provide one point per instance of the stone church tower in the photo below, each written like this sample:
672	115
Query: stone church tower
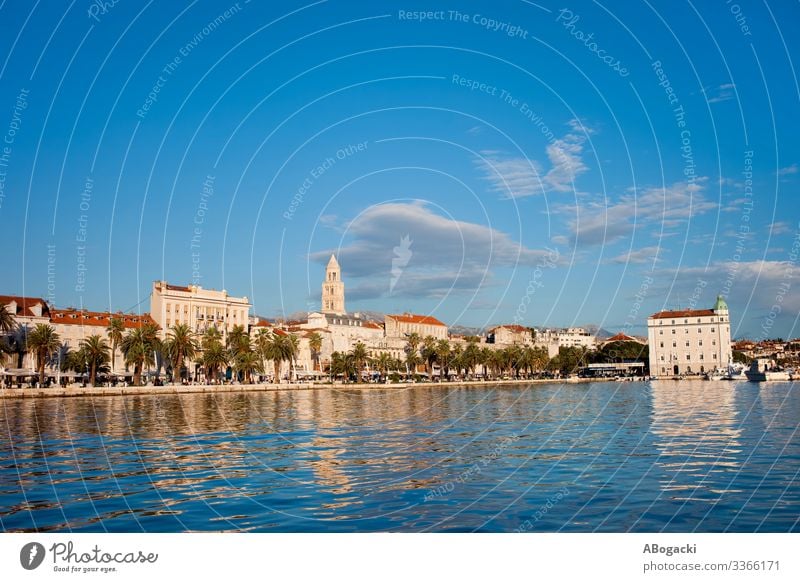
333	289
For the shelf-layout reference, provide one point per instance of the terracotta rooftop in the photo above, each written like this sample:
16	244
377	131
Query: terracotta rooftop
410	318
682	313
24	304
97	318
372	325
621	337
513	327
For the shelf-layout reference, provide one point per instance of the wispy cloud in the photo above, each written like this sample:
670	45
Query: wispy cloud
789	170
449	255
719	94
643	255
517	177
595	223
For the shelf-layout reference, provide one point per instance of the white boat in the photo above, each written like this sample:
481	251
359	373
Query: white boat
715	375
735	372
765	370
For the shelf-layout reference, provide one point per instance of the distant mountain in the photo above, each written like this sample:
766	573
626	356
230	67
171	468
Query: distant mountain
598	331
464	330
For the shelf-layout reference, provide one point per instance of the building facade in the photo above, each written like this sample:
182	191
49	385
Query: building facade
400	326
511	334
197	307
692	341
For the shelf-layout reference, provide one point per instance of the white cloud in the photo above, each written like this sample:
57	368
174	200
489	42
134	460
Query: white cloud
446	253
638	256
517	177
596	223
724	92
793	169
780	227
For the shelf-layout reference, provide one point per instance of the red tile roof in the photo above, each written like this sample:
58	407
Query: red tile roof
410	318
621	337
24	304
97	318
682	313
372	325
512	327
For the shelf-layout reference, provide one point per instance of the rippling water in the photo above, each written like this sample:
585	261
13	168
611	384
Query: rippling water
666	456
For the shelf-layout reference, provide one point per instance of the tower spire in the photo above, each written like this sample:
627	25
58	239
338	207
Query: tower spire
333	288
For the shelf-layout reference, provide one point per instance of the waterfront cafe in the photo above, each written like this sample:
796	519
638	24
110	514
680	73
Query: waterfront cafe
613	369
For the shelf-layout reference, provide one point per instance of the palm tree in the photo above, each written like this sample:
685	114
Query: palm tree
281	348
428	353
180	344
262	342
7	321
115	331
238	340
412	361
95	351
383	362
292	348
139	347
247	362
442	351
44	342
213	358
343	364
315	345
360	356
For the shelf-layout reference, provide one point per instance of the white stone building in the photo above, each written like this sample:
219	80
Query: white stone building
400	326
197	307
510	334
691	341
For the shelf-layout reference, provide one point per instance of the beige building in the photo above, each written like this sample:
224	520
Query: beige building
400	326
692	341
553	339
27	312
333	289
197	307
512	334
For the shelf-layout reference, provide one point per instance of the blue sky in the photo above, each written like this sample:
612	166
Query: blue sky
517	161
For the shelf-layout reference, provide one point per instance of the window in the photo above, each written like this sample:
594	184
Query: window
712	330
715	356
673	332
687	343
660	332
673	322
713	342
699	330
674	344
662	345
698	320
701	356
663	370
700	343
662	358
688	357
685	321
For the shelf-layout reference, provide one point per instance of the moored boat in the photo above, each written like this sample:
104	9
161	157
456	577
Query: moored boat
765	370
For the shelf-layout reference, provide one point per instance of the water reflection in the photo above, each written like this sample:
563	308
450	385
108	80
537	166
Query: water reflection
673	456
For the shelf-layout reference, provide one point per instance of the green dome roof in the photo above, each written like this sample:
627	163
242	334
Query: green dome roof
720	305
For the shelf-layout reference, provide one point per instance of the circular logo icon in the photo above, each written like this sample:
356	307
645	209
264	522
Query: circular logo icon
31	555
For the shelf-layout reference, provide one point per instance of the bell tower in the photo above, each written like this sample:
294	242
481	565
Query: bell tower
333	289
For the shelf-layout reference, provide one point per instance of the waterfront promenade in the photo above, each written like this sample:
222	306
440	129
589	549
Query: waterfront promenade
59	392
